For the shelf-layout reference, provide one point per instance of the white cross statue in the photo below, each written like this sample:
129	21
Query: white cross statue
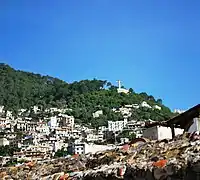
119	84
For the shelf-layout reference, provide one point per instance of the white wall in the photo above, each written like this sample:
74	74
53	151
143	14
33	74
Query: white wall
164	133
178	131
145	104
97	113
1	109
4	142
122	90
93	148
161	132
53	122
57	145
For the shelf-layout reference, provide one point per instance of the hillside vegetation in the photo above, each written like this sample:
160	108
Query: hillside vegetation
20	89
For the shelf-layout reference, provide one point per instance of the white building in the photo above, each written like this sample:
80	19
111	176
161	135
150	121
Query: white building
4	123
43	128
128	106
124	140
102	128
97	114
1	109
125	111
53	123
79	148
4	142
9	115
40	148
116	125
76	134
20	111
84	148
66	121
101	132
35	109
157	107
137	127
160	132
136	106
9	136
59	145
100	136
92	137
51	110
145	104
62	132
24	125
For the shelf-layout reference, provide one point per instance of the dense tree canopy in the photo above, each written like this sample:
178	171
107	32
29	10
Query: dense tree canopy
61	153
20	89
8	150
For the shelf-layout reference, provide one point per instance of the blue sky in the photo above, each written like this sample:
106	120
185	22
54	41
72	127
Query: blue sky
152	46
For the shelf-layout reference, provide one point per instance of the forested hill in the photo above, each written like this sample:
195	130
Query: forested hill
20	89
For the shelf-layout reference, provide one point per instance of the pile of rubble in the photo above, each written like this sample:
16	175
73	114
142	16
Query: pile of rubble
176	159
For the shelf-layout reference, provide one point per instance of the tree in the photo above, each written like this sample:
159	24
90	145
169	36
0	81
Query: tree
8	150
126	134
131	90
113	88
151	98
109	84
61	153
20	89
159	101
144	95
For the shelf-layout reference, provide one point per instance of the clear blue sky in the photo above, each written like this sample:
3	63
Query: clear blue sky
152	46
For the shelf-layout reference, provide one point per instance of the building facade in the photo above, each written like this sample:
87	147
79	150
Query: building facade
116	125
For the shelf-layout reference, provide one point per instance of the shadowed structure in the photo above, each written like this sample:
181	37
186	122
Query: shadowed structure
183	120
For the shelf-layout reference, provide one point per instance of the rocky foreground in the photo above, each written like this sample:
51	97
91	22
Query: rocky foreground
177	159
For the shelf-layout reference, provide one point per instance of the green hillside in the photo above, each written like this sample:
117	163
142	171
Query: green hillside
20	89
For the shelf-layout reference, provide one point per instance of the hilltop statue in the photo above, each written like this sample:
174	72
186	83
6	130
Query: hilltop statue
120	89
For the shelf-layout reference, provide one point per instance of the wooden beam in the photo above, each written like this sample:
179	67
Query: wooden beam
173	131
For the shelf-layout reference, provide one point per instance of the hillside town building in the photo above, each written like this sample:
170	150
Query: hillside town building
40	138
